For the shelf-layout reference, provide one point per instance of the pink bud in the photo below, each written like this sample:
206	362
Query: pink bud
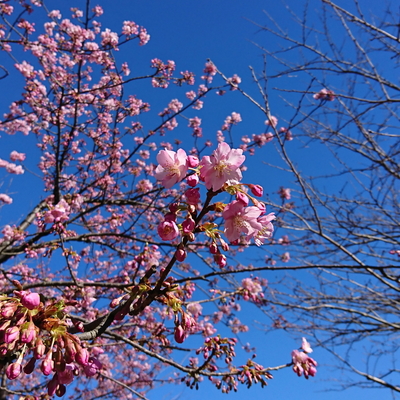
47	365
8	310
242	197
180	255
39	349
30	300
257	190
192	180
13	370
174	207
82	356
220	259
11	334
188	225
179	334
28	334
213	248
192	162
192	196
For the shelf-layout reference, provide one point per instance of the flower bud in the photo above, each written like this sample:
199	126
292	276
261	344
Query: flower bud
192	196
180	255
213	248
13	370
82	356
220	259
29	333
39	349
243	198
8	310
47	365
30	300
192	161
179	334
192	180
11	334
257	190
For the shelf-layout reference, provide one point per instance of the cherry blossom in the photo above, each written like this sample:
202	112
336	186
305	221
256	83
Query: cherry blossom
240	220
221	166
172	167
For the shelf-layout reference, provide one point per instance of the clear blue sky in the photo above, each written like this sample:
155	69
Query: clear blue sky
189	32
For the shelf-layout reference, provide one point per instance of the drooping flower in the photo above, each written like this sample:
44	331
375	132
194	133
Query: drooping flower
303	364
172	167
221	166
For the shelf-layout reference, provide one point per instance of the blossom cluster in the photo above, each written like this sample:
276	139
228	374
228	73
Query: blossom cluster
220	172
28	328
302	363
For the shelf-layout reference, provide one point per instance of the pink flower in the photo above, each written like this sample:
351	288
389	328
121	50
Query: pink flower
284	193
59	213
14	169
5	198
172	167
306	346
303	364
285	257
221	166
93	367
15	156
272	121
168	230
325	94
267	228
241	220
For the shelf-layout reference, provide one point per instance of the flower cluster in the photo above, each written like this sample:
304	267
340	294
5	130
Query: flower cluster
302	363
219	172
28	328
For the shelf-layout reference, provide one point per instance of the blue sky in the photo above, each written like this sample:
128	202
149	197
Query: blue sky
189	33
